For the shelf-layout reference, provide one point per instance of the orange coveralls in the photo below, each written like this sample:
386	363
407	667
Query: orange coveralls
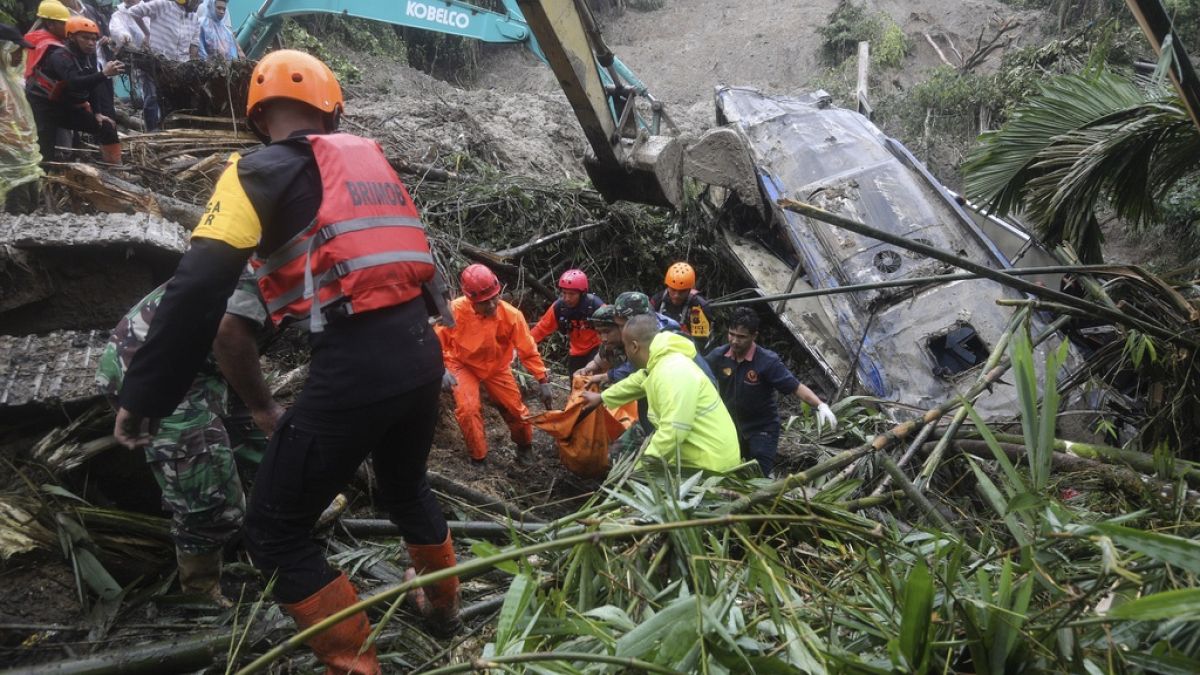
479	351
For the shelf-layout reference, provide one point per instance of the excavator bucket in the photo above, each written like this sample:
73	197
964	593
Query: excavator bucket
651	174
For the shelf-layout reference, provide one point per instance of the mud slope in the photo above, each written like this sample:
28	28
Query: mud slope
689	46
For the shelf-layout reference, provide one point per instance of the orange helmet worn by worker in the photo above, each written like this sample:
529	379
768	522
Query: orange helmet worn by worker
81	24
573	280
479	283
53	10
680	277
297	76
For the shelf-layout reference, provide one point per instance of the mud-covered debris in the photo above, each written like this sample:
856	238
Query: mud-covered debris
59	368
69	230
75	272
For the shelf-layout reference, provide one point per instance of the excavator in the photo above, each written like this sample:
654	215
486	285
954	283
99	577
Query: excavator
630	159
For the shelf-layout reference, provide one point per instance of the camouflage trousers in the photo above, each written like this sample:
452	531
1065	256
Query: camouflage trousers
193	461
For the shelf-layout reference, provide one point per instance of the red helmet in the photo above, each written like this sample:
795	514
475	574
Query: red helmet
573	280
479	283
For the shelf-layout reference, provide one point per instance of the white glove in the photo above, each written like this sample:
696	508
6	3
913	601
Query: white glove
826	416
448	381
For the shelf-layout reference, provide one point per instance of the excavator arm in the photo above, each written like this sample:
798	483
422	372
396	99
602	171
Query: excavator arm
630	159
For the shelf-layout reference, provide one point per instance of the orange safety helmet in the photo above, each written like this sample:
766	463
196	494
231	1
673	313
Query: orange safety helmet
81	24
288	73
681	277
479	283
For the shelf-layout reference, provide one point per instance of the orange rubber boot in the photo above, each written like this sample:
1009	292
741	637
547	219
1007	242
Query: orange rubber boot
337	647
110	153
437	603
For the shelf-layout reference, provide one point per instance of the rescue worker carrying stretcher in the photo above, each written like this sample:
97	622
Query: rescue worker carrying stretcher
336	243
66	90
569	315
479	352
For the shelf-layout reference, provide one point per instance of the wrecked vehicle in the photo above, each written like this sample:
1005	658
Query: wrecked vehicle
915	346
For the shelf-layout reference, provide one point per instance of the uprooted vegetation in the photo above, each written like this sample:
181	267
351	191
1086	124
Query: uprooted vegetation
940	543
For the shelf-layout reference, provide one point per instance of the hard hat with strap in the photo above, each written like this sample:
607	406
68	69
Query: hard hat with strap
294	75
573	280
53	10
680	277
81	24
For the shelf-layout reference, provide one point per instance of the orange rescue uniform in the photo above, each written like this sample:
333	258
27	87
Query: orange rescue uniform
479	351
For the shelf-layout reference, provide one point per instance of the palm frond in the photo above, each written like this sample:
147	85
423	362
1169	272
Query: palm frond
1083	142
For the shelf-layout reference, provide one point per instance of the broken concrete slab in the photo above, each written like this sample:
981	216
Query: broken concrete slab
81	272
54	369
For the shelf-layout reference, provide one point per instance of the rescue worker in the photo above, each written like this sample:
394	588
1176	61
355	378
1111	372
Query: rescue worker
192	455
479	352
748	377
628	305
50	30
692	428
67	91
337	243
682	302
569	315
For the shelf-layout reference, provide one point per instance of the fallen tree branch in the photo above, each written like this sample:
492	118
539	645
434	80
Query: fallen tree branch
1118	476
936	48
378	527
512	272
478	499
518	251
110	194
1004	278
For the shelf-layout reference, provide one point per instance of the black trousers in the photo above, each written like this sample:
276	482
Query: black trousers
313	455
51	116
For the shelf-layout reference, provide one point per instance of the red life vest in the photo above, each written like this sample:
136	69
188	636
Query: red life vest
365	250
41	40
36	80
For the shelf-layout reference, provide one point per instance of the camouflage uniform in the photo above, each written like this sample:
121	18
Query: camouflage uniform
191	457
633	437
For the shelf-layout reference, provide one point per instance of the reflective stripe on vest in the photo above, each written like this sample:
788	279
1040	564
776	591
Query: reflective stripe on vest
37	81
366	249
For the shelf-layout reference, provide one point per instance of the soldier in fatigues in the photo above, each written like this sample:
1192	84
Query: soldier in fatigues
192	455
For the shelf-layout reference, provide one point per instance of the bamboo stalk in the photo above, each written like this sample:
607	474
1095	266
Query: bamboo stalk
910	491
1103	453
377	527
919	281
482	564
1093	309
882	441
476	498
174	655
631	664
1120	476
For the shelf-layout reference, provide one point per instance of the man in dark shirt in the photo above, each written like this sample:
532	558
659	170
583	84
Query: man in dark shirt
66	90
376	370
748	376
